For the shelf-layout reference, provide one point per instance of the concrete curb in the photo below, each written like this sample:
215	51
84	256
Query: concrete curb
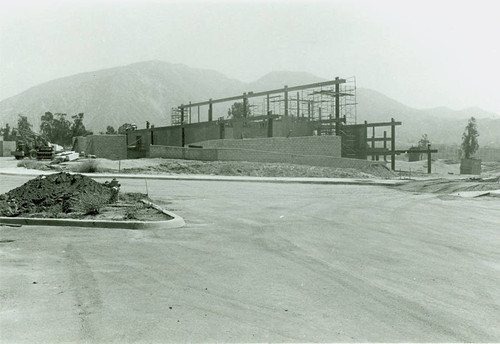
175	222
246	179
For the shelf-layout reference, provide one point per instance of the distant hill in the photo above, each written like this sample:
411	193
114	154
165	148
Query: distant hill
148	90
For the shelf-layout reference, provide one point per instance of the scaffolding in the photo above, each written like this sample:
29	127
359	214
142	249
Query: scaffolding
329	103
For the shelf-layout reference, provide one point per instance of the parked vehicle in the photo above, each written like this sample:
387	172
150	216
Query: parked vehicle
32	145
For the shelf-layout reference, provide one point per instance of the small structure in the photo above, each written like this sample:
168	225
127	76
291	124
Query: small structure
7	147
470	166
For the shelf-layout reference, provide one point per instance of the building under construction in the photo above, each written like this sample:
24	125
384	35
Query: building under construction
323	109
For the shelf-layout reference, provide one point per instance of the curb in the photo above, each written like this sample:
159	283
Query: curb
175	222
203	178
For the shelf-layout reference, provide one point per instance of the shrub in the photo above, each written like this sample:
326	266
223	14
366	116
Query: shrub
91	204
89	166
33	164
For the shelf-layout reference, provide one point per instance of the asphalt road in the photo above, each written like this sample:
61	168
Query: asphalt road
261	263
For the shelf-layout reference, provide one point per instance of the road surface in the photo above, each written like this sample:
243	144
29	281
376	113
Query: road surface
261	262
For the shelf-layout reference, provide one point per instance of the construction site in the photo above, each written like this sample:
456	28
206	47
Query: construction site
313	124
270	216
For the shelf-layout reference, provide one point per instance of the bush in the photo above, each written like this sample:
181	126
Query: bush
89	166
33	164
91	204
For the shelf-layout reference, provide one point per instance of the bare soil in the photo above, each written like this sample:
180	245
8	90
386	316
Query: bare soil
64	195
224	168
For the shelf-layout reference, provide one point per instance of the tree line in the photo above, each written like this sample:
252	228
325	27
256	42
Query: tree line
58	128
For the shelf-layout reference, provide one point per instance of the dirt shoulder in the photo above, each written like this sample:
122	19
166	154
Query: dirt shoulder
217	168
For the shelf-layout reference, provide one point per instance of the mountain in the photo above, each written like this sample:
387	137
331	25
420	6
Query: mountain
148	90
441	124
133	93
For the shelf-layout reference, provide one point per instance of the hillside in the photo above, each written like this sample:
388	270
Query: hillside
133	93
148	90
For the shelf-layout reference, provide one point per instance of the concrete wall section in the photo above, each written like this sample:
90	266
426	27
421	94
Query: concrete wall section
235	154
112	147
292	127
182	153
6	147
306	145
201	131
224	154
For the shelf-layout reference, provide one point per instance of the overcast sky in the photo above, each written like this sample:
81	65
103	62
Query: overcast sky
422	53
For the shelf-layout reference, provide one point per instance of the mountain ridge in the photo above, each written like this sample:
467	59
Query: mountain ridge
147	90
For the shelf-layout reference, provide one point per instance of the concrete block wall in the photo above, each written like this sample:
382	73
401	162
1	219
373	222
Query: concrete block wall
305	145
237	154
112	147
231	154
6	147
182	153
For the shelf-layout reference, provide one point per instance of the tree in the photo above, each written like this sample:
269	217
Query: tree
122	129
469	139
78	128
23	124
237	111
47	125
110	130
56	128
424	142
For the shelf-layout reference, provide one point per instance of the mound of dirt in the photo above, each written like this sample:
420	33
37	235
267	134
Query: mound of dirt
60	192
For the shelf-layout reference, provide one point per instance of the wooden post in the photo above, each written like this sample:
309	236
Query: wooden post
373	143
198	114
385	145
182	114
320	124
429	160
393	145
309	109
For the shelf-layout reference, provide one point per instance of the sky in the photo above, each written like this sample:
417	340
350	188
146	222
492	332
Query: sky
422	53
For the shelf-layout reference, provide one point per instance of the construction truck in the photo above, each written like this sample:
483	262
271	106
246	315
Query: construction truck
32	145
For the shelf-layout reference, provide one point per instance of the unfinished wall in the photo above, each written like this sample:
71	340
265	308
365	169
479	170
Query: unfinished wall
236	154
306	145
112	147
182	153
6	147
201	131
292	127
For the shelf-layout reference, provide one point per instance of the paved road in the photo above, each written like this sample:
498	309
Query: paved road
261	263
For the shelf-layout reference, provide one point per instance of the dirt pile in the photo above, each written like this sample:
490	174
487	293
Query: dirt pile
60	192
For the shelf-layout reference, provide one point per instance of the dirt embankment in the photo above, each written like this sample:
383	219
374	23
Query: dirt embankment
60	192
233	168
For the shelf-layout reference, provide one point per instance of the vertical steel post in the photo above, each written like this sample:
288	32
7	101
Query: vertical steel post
268	105
210	110
189	112
298	105
337	107
245	105
286	100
